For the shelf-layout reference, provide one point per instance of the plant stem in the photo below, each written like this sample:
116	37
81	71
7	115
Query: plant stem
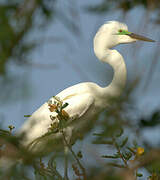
119	152
74	155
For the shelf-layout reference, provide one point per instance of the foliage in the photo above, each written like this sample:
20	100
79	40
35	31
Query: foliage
152	121
127	5
128	155
17	19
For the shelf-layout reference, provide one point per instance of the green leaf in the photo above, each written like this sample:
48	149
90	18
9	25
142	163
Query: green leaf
65	105
79	154
135	144
124	142
120	133
127	155
131	150
27	115
115	156
97	134
112	157
152	121
139	174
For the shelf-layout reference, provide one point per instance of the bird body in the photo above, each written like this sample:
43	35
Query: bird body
83	107
85	100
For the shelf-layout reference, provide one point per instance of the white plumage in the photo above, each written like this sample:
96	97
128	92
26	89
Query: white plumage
86	100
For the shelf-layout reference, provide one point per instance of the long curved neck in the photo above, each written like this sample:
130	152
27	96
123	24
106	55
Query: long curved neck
115	59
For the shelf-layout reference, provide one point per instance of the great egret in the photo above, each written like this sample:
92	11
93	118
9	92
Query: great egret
85	100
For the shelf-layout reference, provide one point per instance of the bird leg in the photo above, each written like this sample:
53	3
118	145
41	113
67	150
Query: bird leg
66	162
67	133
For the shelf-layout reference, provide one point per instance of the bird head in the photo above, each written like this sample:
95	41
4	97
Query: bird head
113	33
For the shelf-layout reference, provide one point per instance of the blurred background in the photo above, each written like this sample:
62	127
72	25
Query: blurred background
47	46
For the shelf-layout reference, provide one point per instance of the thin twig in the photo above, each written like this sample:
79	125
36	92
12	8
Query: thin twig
74	155
119	152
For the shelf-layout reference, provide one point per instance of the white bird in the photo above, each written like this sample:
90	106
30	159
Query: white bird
85	100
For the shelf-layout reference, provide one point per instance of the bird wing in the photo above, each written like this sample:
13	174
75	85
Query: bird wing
39	122
78	105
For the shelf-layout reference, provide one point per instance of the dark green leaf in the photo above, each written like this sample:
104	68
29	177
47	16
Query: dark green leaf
127	155
131	150
65	105
139	174
120	132
124	142
79	154
27	115
152	121
113	157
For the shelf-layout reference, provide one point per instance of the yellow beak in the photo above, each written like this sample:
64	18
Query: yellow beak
139	37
